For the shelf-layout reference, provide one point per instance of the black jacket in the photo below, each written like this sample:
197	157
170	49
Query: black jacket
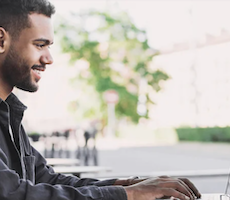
24	174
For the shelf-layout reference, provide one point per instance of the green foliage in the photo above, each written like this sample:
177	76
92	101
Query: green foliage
117	53
210	134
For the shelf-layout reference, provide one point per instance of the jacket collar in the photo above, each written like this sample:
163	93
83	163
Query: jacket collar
14	103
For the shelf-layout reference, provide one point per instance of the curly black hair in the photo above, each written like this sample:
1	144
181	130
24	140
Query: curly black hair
14	13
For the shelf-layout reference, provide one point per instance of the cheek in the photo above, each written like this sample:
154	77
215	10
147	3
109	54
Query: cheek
30	58
29	52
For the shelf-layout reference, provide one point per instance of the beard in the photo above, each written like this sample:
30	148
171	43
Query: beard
17	72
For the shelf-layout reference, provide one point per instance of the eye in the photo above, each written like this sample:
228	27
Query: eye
40	46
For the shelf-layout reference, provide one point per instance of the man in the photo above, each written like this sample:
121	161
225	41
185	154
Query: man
25	36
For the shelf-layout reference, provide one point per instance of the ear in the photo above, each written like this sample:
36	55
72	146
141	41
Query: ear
3	40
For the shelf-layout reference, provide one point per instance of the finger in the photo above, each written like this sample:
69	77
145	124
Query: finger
172	193
191	186
164	176
188	188
179	186
187	184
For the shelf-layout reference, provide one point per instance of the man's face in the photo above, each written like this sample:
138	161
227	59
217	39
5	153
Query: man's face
28	55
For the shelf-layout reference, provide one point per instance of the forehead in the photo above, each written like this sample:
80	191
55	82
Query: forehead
40	27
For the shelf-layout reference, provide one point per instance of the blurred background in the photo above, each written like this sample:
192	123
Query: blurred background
140	86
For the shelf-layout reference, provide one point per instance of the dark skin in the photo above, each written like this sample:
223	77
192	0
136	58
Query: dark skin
23	59
23	71
159	187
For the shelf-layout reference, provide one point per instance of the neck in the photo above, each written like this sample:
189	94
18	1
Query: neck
5	91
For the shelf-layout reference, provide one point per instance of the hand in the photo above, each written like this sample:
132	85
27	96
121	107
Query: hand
162	187
130	181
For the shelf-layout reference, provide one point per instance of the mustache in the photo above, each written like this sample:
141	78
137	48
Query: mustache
39	67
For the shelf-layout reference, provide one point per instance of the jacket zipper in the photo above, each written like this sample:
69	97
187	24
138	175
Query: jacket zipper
22	152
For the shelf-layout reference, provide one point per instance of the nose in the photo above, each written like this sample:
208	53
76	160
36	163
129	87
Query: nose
46	58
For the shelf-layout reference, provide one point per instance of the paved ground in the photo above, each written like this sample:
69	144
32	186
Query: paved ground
206	164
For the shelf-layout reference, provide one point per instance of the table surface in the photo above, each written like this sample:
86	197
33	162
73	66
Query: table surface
81	169
62	161
209	196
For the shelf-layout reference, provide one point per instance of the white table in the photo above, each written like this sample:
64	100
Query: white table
78	170
62	161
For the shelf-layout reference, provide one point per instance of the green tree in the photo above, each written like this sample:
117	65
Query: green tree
117	56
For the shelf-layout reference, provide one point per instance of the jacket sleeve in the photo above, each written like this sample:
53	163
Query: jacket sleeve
12	187
46	174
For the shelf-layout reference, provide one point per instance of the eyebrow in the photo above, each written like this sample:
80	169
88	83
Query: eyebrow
47	42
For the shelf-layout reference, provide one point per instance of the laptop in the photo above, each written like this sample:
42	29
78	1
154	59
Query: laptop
214	196
218	196
211	196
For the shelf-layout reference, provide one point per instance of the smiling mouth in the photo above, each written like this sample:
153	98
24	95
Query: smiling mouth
38	69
